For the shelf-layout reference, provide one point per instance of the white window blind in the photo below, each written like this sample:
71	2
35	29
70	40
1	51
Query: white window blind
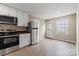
62	26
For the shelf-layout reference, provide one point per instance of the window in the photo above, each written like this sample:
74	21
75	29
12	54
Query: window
49	29
62	26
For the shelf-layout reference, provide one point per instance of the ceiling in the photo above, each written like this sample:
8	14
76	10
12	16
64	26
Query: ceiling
46	10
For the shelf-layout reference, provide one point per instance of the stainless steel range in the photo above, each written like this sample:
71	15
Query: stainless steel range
9	41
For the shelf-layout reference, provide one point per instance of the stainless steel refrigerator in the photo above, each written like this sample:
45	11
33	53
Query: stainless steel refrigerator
33	28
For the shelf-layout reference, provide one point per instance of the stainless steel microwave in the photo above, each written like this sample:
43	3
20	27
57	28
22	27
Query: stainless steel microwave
8	19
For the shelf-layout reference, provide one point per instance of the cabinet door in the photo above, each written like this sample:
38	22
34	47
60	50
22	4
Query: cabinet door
12	12
3	10
25	19
20	18
24	40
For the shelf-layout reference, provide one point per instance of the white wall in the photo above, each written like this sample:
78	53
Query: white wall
77	30
42	29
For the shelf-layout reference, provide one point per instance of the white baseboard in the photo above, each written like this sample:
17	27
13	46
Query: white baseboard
62	40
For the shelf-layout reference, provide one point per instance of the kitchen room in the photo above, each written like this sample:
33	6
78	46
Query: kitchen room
36	29
16	29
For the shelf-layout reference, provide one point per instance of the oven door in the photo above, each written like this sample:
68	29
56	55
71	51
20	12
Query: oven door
1	44
11	41
1	47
